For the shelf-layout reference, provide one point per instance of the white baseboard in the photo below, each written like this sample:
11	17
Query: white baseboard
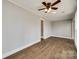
58	36
61	37
45	37
18	49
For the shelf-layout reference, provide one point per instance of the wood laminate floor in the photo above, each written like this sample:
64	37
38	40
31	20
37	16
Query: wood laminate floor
51	48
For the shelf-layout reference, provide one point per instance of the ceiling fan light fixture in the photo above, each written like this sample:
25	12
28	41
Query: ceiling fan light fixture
46	10
49	9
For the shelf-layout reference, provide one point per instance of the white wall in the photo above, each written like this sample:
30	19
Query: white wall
73	28
47	29
20	27
61	28
75	20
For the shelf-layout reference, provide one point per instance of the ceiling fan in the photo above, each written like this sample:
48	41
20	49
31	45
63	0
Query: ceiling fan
49	6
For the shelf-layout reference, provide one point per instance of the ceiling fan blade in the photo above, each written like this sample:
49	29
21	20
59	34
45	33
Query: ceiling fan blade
41	9
56	2
55	8
44	3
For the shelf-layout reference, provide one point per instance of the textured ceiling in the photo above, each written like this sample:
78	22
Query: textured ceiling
66	8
